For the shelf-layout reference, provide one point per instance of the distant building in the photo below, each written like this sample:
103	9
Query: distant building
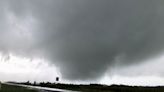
57	79
34	83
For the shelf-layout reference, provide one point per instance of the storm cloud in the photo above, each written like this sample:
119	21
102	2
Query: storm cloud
84	38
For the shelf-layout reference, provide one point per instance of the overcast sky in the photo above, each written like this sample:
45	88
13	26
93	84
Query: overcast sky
82	41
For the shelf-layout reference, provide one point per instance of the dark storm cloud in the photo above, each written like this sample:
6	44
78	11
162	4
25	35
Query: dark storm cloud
86	37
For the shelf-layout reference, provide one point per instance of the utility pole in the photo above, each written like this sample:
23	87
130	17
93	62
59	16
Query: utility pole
0	85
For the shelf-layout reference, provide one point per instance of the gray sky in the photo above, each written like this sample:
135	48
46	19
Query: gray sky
85	40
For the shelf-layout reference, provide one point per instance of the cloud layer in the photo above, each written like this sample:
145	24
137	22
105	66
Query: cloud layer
84	38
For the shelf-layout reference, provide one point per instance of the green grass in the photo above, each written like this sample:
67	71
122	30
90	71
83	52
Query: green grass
9	88
103	88
85	88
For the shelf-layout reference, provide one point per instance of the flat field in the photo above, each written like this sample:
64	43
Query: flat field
9	88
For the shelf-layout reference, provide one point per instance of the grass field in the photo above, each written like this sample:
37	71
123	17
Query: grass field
103	88
9	88
85	88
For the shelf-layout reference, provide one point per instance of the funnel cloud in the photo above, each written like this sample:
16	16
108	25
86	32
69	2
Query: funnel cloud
84	38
